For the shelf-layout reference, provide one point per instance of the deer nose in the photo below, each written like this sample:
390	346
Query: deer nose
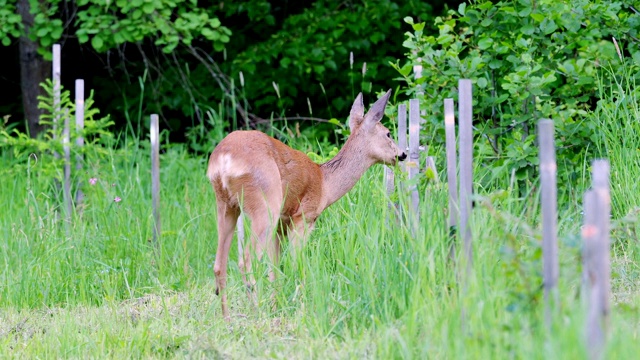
402	157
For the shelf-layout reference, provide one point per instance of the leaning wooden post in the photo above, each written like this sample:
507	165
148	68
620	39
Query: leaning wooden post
155	177
595	233
79	140
465	113
452	173
67	167
414	156
549	195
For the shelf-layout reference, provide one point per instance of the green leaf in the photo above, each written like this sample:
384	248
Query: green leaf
485	43
418	27
482	83
6	41
548	26
528	29
461	8
408	20
97	43
148	8
537	17
42	32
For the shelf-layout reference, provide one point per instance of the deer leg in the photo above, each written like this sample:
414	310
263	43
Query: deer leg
264	215
226	223
300	231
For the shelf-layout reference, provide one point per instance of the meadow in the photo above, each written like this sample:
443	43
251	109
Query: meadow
362	288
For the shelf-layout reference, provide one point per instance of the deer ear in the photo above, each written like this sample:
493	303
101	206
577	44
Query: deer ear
376	112
357	112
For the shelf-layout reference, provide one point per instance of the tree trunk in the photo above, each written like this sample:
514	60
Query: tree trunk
34	69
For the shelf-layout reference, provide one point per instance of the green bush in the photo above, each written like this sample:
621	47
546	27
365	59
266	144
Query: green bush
528	60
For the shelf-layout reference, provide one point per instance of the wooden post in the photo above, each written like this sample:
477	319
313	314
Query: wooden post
79	140
402	127
67	167
240	233
155	177
402	144
549	195
452	173
389	182
465	113
56	91
595	234
414	155
56	115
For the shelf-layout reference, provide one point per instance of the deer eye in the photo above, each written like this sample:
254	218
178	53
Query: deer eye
389	135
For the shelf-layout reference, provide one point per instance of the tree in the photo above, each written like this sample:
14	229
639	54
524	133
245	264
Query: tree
106	25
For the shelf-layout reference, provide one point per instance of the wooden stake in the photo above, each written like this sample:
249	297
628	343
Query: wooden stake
452	173
595	234
549	194
67	168
465	112
155	177
414	155
79	140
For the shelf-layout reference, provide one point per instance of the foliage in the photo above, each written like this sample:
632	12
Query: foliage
10	22
96	134
528	60
319	57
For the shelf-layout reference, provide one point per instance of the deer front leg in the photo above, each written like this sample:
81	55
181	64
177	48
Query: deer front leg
300	231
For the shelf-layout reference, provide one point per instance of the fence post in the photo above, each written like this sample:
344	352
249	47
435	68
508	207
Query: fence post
452	173
155	178
414	157
79	140
56	92
389	182
595	234
465	113
549	195
67	168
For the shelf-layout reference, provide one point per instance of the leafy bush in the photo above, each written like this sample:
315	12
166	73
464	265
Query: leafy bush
96	134
528	60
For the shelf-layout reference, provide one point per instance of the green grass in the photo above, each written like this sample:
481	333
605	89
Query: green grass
361	288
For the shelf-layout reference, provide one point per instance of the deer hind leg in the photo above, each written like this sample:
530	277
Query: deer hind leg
226	223
263	209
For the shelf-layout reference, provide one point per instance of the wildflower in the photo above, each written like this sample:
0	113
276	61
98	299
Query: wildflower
93	181
117	199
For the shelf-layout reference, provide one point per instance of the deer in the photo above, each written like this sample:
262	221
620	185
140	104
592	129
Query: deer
282	191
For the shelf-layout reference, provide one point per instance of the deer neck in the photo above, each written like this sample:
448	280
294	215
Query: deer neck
340	174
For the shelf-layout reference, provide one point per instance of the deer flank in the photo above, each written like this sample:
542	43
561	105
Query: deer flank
282	191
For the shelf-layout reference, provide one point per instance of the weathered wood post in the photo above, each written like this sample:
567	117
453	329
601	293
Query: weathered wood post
549	195
413	164
56	92
155	178
79	141
465	113
452	173
66	194
595	234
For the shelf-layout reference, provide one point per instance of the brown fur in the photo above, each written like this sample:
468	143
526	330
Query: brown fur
275	185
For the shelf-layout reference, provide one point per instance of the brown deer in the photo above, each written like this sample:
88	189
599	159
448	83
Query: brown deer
275	185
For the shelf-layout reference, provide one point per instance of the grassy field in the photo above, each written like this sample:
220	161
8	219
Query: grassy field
361	288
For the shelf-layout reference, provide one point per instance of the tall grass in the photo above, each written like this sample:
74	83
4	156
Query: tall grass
362	288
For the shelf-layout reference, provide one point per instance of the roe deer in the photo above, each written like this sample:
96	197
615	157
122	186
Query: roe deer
276	185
